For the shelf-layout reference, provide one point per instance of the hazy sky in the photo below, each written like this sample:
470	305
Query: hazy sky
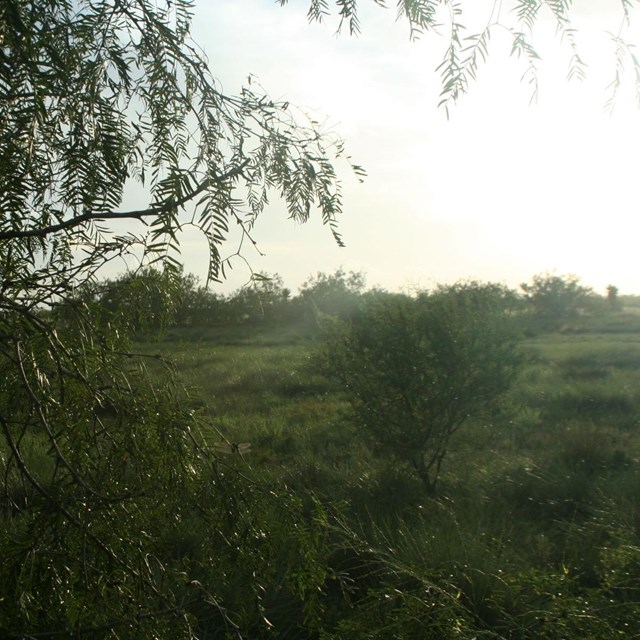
500	191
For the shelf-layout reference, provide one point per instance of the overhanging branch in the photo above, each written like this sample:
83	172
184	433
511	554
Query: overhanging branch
122	215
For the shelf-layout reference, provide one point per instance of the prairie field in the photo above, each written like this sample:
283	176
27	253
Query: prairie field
535	529
344	464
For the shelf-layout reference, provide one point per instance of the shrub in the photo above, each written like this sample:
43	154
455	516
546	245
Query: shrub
414	370
555	299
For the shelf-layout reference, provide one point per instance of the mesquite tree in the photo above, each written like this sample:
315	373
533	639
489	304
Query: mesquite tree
416	370
97	464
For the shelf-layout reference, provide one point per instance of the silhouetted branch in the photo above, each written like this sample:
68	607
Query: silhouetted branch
122	215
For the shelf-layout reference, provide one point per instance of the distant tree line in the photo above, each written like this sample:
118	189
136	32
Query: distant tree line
149	300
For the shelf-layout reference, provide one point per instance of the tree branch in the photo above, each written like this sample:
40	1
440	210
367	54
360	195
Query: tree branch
122	215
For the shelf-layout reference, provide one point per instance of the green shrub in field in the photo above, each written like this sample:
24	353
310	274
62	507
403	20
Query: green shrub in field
415	370
336	294
554	299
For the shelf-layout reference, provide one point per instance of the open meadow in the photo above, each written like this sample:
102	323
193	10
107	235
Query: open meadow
535	529
339	465
191	449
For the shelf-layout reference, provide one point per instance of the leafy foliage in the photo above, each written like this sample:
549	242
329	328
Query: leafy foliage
99	456
264	300
612	297
85	116
416	370
469	28
91	457
332	295
555	299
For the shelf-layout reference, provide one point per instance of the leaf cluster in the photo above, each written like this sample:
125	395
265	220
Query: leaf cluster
99	96
468	38
553	299
416	369
98	458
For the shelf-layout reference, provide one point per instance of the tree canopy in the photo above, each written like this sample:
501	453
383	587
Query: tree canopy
467	28
554	299
100	459
97	96
416	370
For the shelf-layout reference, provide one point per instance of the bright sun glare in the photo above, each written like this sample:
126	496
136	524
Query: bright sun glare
500	191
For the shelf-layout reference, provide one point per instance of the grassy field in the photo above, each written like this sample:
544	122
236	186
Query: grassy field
535	532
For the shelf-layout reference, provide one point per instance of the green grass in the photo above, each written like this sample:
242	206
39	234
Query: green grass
536	530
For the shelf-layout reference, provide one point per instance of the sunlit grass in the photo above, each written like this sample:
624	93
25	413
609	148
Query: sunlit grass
539	506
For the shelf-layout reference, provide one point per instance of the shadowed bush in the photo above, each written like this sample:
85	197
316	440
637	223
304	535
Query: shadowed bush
415	370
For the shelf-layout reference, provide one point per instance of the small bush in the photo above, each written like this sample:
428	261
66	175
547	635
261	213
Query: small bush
415	370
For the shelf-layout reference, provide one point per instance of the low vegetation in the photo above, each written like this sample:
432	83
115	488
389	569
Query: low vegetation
277	471
416	370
